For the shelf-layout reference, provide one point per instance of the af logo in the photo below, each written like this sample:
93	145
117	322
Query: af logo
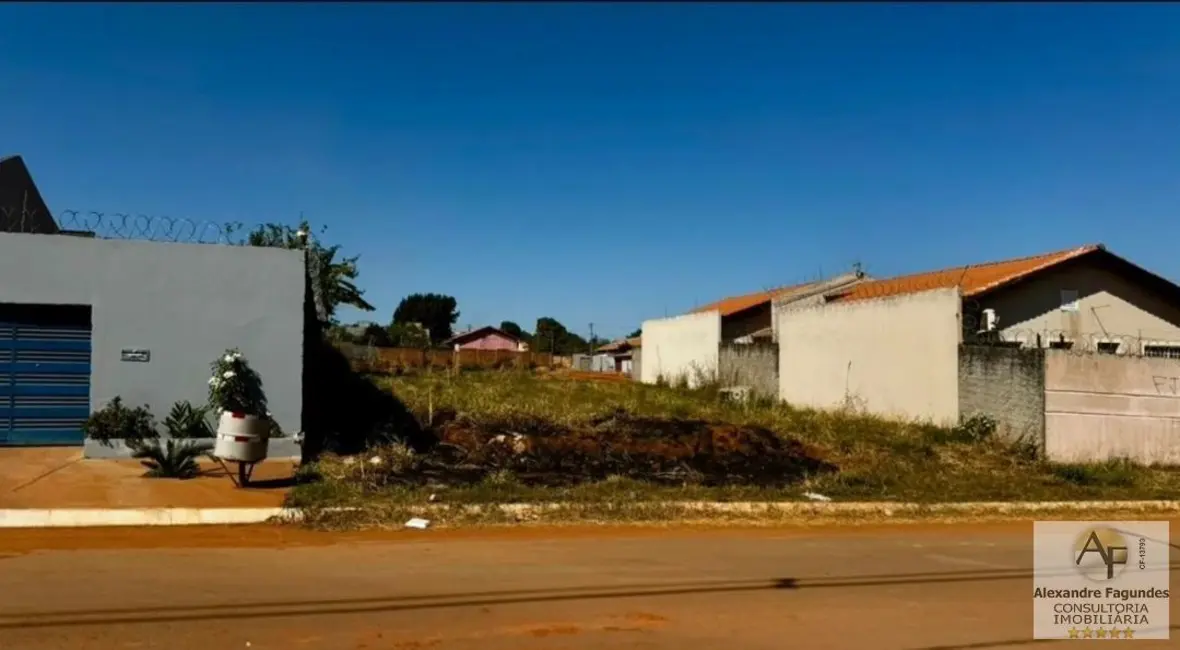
1100	553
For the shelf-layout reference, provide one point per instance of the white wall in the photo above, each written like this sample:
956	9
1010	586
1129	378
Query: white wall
681	346
897	357
1099	407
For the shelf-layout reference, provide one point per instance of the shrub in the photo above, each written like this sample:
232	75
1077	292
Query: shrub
175	459
188	421
235	387
117	422
1117	472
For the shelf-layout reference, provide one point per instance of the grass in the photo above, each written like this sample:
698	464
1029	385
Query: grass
877	459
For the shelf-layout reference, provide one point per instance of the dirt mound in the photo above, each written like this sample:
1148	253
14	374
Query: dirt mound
654	449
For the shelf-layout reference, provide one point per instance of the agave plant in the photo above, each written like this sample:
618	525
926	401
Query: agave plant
175	459
188	421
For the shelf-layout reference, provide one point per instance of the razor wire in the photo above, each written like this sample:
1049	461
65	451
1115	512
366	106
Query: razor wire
977	330
155	228
122	225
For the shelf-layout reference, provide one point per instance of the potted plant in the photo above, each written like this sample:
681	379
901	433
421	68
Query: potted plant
235	392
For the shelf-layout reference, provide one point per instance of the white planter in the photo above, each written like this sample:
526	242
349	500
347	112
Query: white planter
242	438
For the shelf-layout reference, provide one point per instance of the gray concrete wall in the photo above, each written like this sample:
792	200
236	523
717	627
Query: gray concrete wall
1007	385
637	364
896	357
1102	406
754	365
185	303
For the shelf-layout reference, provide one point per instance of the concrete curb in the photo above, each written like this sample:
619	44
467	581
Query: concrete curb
75	518
86	517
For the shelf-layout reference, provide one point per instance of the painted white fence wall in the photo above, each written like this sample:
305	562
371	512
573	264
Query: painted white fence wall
896	357
1100	406
681	346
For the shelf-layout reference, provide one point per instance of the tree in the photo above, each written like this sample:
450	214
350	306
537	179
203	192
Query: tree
376	335
336	278
408	335
552	336
435	312
638	332
509	327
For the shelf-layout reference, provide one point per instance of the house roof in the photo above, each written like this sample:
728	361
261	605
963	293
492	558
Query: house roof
972	280
736	304
22	208
621	345
480	332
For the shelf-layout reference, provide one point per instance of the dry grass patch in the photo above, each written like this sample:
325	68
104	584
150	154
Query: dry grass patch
620	451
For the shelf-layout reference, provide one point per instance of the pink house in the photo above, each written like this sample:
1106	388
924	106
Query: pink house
486	338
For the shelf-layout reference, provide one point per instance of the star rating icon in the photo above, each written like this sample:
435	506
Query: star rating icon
1100	633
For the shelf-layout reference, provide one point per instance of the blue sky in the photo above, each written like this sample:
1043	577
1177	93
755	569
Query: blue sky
608	163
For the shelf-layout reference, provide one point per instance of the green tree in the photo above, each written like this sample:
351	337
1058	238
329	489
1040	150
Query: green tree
337	278
638	332
408	335
512	328
552	336
435	312
376	335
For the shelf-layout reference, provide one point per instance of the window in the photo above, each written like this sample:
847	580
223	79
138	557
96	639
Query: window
1069	300
1061	343
1108	347
1165	350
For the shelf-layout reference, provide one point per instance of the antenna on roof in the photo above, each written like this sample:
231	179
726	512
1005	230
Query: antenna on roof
857	269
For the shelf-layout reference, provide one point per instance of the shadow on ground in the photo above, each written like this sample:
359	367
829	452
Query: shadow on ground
344	412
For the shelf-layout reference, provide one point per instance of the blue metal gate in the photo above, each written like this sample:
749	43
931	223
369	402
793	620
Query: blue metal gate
44	381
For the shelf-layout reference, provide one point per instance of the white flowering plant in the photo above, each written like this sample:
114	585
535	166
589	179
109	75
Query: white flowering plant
235	387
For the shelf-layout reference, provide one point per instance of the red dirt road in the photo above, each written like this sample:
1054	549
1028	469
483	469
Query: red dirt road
929	587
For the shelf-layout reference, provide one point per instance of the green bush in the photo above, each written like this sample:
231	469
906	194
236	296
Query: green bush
188	421
115	421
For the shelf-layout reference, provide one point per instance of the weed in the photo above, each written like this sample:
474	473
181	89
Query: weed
510	435
1112	473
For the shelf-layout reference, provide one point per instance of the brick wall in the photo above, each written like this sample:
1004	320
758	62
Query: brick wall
754	365
1006	384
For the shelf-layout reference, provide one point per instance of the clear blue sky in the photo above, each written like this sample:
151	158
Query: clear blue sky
609	163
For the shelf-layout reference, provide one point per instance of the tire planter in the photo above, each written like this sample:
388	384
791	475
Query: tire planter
241	437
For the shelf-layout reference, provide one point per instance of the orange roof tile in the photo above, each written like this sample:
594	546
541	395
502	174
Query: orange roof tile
972	279
735	304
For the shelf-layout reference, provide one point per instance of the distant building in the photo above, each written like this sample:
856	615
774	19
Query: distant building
486	338
621	354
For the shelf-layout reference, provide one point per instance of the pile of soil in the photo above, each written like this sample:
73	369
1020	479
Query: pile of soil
652	449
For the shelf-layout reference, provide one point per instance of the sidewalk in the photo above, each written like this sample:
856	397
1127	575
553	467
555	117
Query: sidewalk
61	479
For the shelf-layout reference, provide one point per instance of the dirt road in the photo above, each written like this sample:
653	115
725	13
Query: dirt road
913	587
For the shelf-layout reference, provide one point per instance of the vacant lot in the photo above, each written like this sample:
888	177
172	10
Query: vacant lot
618	448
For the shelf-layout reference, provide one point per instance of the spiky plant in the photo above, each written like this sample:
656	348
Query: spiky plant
174	459
188	421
